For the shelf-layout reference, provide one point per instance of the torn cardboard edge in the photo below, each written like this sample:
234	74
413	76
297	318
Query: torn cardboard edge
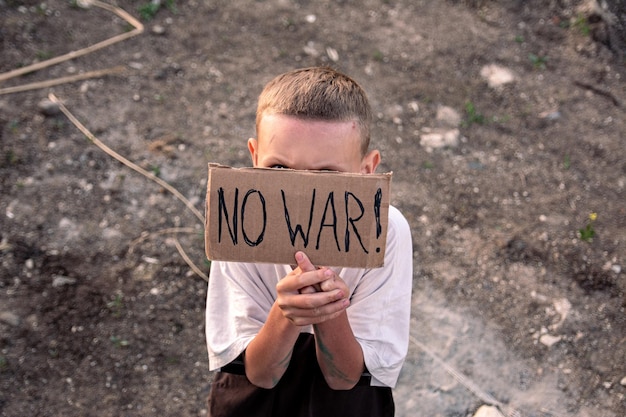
267	215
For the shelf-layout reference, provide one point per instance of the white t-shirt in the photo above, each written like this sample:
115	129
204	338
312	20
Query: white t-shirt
240	296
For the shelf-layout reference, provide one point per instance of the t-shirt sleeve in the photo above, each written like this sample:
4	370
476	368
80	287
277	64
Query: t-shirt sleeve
380	309
238	302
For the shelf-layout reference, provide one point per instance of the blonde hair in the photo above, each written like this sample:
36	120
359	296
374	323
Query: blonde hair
317	93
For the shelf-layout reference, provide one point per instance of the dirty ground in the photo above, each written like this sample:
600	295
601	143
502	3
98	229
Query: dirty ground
503	122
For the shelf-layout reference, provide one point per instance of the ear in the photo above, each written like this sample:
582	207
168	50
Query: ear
370	162
253	146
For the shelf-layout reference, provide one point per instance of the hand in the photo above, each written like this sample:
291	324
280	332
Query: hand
309	295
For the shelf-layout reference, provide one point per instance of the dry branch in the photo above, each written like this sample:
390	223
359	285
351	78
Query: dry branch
189	262
143	172
71	55
147	235
62	80
466	382
123	160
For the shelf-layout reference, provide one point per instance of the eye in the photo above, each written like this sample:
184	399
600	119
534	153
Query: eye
278	166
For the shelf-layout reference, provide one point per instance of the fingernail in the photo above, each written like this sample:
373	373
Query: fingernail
328	273
299	256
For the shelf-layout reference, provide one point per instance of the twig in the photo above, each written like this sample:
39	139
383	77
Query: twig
146	235
74	54
599	91
550	412
467	383
123	160
189	262
62	80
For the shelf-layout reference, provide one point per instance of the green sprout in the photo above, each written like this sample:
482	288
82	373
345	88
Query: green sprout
148	10
582	25
14	126
155	170
472	115
428	165
567	162
119	342
43	55
378	56
538	61
115	305
588	232
11	157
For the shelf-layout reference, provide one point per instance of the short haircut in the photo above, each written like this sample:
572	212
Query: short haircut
317	93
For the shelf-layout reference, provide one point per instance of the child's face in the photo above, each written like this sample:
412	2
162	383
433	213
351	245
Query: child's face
290	142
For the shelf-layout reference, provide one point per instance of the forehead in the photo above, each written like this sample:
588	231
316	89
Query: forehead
277	124
308	144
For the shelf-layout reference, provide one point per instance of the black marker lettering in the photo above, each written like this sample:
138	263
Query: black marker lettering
350	221
222	209
377	200
330	202
298	229
243	218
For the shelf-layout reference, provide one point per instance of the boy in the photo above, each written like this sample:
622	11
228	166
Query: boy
301	340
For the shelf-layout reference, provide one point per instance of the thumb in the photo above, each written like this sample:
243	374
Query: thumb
304	263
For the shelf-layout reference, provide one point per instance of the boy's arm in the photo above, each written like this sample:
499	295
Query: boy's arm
339	354
268	354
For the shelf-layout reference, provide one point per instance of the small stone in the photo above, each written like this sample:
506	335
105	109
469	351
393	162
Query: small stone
310	49
563	307
622	382
488	411
616	268
48	107
84	4
549	340
158	30
150	260
496	76
332	54
60	280
10	318
448	116
550	115
440	139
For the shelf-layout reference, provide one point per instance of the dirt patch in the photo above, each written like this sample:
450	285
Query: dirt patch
99	313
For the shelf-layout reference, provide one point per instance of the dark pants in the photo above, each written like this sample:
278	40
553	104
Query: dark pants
301	392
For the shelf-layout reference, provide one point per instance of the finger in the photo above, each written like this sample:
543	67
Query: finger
303	317
296	281
311	289
309	301
331	281
303	262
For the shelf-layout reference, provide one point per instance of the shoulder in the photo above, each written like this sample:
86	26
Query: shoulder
397	218
398	225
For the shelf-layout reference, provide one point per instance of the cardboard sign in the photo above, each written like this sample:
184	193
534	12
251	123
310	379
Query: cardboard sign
266	215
